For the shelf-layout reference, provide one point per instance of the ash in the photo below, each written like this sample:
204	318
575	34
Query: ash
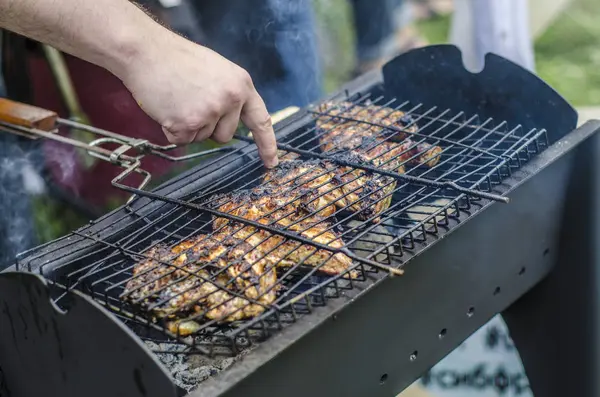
189	370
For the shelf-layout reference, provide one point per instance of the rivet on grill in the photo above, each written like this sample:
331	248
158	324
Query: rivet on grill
442	333
383	378
414	355
471	312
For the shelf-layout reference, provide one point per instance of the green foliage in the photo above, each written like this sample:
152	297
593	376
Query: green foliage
54	219
567	55
336	41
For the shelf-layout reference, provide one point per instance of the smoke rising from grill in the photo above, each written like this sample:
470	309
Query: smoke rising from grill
20	178
63	161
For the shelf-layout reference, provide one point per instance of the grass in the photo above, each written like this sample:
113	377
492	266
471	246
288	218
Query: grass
567	55
336	41
54	219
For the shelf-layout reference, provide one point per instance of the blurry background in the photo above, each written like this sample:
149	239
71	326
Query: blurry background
566	46
566	43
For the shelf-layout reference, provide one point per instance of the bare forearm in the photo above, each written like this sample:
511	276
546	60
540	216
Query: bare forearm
191	91
108	33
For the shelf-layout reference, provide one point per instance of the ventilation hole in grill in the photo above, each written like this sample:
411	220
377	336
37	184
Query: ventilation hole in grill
546	251
471	311
414	355
497	290
383	378
522	271
442	333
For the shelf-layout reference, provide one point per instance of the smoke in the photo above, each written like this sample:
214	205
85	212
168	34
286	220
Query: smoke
62	160
32	180
19	179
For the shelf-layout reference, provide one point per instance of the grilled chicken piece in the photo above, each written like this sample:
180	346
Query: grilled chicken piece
387	155
349	188
370	138
186	287
288	253
373	116
393	156
287	156
270	204
281	208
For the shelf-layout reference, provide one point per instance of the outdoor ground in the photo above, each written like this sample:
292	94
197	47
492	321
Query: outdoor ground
567	57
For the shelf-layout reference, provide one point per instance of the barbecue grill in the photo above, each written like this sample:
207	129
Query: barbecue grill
462	240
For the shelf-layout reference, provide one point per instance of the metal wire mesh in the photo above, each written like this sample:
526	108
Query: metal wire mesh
242	277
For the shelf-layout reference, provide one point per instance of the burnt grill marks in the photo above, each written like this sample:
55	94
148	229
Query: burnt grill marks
139	274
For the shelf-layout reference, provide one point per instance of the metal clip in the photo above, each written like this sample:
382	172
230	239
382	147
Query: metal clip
130	162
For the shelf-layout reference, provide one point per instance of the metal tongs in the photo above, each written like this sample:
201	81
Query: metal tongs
34	123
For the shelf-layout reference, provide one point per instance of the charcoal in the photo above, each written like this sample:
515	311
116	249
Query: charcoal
189	370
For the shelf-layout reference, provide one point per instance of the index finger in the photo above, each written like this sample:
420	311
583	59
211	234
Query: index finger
256	117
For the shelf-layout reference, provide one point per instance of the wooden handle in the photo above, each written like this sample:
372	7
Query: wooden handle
26	115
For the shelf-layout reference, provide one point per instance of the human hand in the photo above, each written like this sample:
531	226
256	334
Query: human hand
196	94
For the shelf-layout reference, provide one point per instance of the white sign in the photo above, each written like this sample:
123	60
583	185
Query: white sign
485	365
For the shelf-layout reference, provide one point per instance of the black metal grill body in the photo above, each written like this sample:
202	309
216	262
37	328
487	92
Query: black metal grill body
377	338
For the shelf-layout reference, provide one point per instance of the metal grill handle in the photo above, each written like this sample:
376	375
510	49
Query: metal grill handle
33	122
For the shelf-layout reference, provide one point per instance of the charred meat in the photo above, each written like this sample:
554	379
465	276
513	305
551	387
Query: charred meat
372	119
366	193
217	278
273	204
363	129
286	209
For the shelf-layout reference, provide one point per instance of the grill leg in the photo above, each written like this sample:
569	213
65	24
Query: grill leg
555	325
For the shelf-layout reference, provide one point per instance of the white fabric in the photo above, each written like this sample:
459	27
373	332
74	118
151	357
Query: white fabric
498	26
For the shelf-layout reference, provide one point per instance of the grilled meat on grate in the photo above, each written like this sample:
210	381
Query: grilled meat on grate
282	207
362	129
393	156
231	275
375	119
287	253
203	275
356	190
268	204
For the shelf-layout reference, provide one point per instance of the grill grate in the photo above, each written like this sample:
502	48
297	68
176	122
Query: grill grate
426	200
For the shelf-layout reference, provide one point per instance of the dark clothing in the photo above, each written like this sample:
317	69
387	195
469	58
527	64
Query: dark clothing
274	40
376	23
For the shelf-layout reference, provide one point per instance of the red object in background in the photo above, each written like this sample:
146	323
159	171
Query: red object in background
108	105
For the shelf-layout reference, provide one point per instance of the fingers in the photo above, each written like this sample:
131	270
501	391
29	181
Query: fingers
227	126
184	132
220	131
256	117
206	131
179	137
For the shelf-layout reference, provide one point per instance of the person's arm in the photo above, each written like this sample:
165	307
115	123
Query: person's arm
193	92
